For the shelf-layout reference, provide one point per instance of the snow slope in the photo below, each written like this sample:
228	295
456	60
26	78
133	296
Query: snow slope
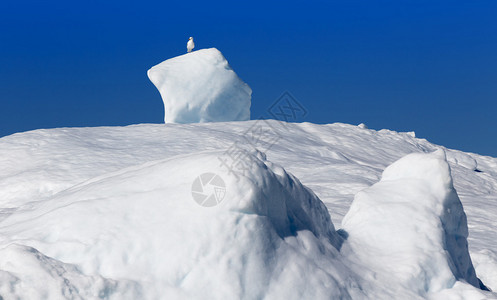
108	213
201	87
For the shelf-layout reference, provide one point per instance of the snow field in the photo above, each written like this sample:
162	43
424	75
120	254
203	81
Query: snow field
108	212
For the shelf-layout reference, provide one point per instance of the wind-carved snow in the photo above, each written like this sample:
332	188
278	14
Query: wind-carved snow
201	87
108	213
410	228
141	224
25	273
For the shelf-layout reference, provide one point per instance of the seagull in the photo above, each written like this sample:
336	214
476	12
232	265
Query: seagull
190	45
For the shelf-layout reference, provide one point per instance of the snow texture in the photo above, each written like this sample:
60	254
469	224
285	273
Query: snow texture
268	228
201	87
108	213
413	223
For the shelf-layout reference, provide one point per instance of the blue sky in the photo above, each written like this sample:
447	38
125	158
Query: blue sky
423	66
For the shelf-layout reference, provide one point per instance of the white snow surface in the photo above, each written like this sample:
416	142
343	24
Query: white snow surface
427	249
108	213
201	87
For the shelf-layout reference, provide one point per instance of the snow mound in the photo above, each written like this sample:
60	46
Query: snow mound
141	224
201	87
28	274
410	228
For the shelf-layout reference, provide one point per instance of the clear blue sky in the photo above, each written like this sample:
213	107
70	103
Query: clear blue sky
423	66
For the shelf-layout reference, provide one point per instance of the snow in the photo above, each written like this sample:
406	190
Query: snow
201	87
414	224
151	231
28	274
108	212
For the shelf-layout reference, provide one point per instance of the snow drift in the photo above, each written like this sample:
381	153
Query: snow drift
201	87
410	228
141	225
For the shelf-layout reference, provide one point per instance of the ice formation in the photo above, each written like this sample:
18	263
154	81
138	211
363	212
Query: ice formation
413	224
268	229
201	87
85	215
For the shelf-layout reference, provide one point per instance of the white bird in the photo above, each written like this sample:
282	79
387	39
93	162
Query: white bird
190	45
